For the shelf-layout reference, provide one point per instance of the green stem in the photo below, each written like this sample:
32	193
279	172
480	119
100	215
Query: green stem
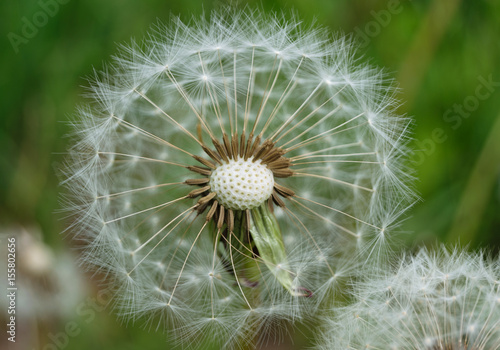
267	237
478	190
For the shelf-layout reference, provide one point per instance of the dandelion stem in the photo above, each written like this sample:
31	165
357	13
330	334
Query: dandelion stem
336	210
148	209
166	115
282	98
298	174
138	189
185	261
161	240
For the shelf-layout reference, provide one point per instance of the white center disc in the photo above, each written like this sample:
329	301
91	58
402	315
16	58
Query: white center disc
242	184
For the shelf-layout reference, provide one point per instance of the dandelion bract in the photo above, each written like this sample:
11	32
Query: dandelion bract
229	168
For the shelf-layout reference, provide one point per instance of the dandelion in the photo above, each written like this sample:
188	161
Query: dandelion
434	300
229	166
49	285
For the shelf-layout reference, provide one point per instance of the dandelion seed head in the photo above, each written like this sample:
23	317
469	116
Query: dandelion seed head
447	309
228	162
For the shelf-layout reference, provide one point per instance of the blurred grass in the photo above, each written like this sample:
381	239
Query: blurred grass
439	48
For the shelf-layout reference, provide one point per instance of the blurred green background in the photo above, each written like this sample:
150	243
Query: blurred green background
445	55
